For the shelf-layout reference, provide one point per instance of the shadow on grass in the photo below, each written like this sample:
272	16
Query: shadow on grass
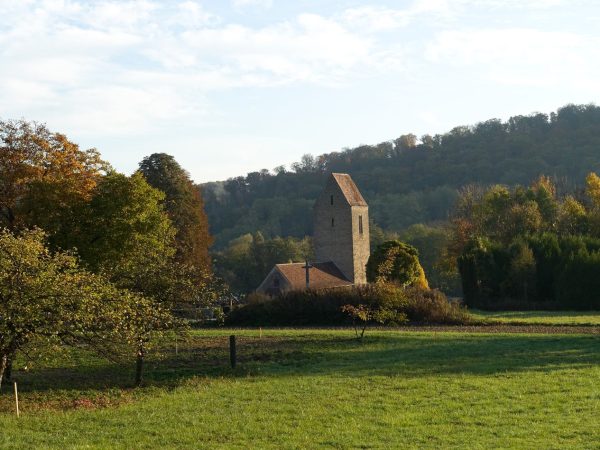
417	356
537	314
198	357
380	354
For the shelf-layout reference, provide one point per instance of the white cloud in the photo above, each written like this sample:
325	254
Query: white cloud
240	4
311	48
437	12
123	64
519	4
518	55
376	19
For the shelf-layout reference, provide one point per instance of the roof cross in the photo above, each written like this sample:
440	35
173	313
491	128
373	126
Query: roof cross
307	267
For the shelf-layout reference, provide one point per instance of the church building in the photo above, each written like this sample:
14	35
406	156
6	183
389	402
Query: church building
341	243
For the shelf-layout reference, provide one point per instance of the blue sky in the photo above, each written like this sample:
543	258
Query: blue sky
229	87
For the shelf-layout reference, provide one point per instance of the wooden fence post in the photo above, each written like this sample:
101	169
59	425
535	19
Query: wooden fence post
17	399
232	353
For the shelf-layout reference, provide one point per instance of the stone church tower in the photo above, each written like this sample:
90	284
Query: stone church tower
341	227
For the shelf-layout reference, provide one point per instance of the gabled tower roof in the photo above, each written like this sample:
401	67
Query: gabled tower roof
349	189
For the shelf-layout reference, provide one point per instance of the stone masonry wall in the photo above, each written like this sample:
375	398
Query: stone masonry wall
360	243
340	241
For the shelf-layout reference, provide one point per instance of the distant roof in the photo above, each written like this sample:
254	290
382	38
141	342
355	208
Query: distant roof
349	189
321	275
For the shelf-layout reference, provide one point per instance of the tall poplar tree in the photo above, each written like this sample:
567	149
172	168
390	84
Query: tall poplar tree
185	207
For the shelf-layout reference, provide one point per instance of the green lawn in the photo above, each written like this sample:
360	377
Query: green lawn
540	317
322	389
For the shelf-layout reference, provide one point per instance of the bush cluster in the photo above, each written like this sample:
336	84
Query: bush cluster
394	306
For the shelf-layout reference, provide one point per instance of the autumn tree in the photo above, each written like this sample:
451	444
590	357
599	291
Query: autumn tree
592	191
501	213
43	177
521	274
572	217
185	207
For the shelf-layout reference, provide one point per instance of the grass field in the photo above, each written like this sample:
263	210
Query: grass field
322	389
540	317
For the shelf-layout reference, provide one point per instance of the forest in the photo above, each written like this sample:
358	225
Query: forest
411	180
411	184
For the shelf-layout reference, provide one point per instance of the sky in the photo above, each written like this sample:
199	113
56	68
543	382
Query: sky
233	86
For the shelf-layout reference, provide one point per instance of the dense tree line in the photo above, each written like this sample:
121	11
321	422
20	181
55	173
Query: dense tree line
409	180
528	247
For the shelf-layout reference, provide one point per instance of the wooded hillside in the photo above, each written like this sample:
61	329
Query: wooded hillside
412	180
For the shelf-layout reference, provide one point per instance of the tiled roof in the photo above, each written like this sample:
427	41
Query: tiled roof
321	275
349	189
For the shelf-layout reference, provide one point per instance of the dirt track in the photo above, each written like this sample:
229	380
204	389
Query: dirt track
506	328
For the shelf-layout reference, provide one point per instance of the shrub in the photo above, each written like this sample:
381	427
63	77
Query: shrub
432	306
361	315
390	305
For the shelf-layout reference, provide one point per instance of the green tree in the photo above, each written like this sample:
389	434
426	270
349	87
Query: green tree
430	241
185	207
248	259
125	227
395	261
47	296
522	272
127	236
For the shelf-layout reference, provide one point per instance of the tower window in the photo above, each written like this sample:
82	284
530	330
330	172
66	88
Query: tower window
360	225
332	222
331	199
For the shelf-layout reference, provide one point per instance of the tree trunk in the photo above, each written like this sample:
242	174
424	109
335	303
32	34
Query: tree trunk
8	369
362	333
3	364
10	219
139	365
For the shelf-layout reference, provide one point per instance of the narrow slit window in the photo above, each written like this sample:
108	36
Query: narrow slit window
332	222
331	199
360	225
